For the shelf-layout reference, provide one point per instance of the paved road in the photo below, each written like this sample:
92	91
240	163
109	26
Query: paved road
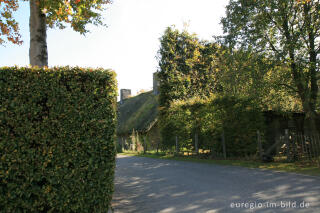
154	185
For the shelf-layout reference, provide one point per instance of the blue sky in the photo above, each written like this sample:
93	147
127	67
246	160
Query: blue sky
129	44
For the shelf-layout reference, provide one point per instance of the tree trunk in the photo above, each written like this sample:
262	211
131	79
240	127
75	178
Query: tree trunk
310	110
223	145
259	144
196	143
144	138
38	52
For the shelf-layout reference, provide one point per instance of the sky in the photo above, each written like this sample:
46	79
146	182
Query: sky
129	44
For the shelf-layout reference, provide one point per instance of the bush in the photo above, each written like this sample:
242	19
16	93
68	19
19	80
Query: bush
57	139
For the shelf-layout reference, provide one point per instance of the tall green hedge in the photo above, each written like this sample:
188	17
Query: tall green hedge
238	118
57	139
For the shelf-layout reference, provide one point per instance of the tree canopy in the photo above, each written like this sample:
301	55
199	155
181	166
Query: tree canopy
286	31
76	13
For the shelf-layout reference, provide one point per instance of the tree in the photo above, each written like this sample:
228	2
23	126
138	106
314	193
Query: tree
186	70
186	66
8	26
47	13
244	73
286	31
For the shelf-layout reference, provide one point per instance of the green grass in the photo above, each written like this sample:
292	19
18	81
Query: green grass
301	168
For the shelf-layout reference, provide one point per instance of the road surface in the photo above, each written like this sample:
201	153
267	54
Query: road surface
148	185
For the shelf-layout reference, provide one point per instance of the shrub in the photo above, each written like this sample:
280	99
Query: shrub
57	130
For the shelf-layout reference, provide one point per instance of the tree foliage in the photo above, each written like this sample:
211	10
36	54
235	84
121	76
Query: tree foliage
185	67
189	67
186	70
286	31
244	73
76	13
9	29
59	13
210	87
192	73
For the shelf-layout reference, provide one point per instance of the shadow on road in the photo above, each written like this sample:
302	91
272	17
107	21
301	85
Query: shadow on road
153	185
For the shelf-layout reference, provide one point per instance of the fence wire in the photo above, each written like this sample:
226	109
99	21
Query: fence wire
299	147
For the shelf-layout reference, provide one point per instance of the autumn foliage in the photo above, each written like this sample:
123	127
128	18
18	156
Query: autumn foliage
9	28
59	13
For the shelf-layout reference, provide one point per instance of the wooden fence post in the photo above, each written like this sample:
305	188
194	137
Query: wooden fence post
196	143
259	144
177	145
122	144
144	145
223	145
287	142
313	147
317	142
157	147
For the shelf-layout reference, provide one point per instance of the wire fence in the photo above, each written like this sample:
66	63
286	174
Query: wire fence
290	147
299	147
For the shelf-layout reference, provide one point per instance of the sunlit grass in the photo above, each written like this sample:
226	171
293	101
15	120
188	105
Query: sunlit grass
301	168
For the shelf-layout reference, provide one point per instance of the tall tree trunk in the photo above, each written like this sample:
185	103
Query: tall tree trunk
310	107
308	95
38	52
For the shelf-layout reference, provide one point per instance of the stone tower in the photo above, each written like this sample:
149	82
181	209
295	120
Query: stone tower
124	94
156	83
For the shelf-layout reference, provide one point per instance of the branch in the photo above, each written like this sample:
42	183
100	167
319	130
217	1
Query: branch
290	87
273	21
303	37
294	16
318	50
272	46
275	49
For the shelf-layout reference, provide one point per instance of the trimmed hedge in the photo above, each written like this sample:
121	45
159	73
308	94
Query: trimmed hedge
238	117
57	139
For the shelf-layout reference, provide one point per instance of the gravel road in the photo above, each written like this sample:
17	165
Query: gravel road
153	185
